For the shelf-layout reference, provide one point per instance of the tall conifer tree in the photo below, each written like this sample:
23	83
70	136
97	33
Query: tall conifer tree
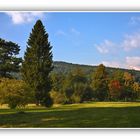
38	64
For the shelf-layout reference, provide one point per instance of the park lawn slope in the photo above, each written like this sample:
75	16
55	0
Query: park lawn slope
86	115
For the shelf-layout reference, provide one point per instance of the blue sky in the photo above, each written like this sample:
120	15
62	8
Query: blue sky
81	37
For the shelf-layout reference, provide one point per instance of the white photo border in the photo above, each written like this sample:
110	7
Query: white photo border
70	6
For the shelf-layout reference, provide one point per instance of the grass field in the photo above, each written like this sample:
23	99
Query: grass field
90	115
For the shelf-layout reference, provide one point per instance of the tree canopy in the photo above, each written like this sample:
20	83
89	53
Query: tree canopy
9	62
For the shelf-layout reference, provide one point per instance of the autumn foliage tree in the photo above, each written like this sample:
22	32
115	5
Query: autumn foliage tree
128	92
114	90
128	79
136	89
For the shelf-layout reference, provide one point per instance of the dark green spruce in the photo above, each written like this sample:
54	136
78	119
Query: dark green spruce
9	62
38	64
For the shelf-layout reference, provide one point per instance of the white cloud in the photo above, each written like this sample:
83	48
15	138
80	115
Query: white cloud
134	20
74	31
102	49
127	63
115	64
133	62
60	33
131	42
24	17
106	47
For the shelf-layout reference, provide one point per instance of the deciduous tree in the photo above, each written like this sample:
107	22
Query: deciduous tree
15	93
9	62
99	83
114	90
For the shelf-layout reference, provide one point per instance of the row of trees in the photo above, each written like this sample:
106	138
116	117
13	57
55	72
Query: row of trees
76	87
41	86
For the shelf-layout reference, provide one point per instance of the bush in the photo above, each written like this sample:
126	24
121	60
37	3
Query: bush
58	98
15	93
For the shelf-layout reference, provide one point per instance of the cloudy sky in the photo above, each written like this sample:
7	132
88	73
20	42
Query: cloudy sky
85	38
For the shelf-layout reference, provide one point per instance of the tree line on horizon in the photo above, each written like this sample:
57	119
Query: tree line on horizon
41	86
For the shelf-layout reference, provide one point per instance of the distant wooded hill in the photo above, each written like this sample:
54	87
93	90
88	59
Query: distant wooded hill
65	68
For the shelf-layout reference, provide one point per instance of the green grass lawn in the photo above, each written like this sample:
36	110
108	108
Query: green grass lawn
86	115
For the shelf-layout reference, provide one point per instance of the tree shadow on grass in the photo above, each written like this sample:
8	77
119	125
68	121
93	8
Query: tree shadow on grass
101	117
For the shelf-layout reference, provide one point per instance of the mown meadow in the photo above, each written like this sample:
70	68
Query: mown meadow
85	115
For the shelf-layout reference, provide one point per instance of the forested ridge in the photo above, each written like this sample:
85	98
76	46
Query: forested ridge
66	67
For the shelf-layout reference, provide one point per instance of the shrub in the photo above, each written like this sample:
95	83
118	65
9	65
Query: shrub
15	93
58	98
